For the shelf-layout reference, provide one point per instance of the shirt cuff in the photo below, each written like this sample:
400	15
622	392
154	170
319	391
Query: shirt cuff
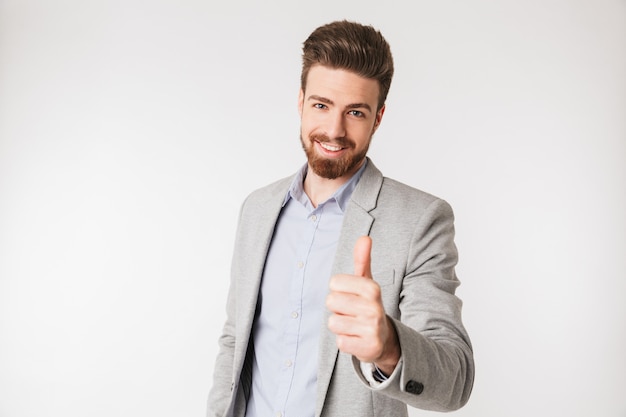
375	377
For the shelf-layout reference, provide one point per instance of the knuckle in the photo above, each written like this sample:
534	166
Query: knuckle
371	290
375	290
340	343
329	300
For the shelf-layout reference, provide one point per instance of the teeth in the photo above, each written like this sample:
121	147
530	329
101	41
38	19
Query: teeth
330	147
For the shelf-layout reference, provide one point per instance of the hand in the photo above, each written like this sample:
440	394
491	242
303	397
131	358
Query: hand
359	320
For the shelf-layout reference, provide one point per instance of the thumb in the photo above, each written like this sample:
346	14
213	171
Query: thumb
362	257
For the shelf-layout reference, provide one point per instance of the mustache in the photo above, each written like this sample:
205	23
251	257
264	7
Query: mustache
344	142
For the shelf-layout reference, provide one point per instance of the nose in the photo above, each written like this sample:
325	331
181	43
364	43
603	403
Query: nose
336	125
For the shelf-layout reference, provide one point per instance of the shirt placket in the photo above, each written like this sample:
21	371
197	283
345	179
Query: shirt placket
308	228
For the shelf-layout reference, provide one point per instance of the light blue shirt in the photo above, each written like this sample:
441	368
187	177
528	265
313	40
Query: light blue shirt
291	303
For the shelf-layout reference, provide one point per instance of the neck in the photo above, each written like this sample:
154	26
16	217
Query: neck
319	189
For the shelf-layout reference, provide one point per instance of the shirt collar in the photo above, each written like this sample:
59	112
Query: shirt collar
341	196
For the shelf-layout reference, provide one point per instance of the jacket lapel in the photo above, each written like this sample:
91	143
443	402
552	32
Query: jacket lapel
357	222
262	225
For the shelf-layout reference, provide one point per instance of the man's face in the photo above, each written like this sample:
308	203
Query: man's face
338	116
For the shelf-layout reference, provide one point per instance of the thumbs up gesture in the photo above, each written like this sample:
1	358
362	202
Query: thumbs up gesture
358	317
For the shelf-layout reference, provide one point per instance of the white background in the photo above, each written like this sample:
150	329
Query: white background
130	132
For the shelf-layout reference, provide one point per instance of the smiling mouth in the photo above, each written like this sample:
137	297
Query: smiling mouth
330	147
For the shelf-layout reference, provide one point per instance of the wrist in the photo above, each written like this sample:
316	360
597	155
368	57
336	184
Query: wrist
388	361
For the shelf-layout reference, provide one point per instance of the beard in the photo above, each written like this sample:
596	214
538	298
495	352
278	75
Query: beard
336	167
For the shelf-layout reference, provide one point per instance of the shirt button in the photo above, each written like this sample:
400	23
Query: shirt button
313	218
279	414
294	315
288	363
300	264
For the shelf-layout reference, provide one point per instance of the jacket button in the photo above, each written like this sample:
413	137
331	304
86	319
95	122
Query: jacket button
414	387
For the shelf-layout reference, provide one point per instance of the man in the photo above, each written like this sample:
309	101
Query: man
341	300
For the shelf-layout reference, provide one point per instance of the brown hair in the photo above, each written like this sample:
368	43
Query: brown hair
350	46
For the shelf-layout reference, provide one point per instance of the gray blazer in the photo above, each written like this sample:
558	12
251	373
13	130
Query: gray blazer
413	260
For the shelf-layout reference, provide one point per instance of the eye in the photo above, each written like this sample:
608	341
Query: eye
319	106
356	113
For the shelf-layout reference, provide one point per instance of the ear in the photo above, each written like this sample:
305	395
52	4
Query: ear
379	117
300	101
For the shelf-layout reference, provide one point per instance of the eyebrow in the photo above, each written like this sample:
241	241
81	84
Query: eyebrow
349	106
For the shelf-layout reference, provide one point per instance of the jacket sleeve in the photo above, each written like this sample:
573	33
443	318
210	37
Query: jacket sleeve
436	371
221	394
221	390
